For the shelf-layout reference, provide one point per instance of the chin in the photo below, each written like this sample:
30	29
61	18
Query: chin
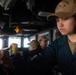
64	34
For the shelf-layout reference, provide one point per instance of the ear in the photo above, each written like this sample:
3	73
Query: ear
32	47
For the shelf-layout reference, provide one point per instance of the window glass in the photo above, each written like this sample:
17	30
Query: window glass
16	40
26	42
32	38
1	43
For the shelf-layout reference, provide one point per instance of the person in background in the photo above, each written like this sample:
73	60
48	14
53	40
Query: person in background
5	63
43	42
13	52
34	50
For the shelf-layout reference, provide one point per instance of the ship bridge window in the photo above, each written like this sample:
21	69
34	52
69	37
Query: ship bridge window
16	40
26	42
1	43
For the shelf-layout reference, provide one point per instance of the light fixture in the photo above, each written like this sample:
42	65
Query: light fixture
18	29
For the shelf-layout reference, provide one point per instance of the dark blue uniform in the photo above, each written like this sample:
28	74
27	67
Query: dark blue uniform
59	53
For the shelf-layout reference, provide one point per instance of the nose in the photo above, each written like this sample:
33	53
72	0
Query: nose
60	22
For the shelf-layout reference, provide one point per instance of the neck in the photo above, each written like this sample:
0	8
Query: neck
72	37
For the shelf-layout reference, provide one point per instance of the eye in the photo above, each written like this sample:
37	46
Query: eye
57	19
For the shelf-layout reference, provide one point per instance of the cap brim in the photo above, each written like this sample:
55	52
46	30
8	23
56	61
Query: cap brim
60	14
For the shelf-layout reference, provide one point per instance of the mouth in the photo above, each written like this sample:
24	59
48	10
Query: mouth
61	30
